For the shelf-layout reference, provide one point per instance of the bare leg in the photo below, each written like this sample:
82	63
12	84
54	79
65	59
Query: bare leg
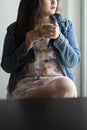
62	87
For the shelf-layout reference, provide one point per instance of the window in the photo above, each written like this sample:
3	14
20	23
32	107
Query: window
84	48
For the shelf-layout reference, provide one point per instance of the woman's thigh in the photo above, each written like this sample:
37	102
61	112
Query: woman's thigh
62	87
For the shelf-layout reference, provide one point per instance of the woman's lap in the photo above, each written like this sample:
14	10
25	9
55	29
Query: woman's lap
58	87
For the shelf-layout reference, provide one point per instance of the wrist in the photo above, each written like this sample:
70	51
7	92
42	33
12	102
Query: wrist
57	36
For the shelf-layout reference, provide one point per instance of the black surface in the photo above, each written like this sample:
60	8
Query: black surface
39	114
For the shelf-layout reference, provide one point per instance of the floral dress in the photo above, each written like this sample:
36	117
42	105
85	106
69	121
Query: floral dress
41	72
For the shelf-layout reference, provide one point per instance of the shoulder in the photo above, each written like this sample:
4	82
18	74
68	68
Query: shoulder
61	18
11	28
64	22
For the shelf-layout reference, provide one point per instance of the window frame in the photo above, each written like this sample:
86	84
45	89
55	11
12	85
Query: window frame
83	48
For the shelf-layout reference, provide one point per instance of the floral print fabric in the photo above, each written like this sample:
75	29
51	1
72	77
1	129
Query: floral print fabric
39	73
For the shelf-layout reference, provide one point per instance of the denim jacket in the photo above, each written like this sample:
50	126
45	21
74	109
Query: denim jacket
65	46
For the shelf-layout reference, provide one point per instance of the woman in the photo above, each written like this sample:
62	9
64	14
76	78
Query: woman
40	49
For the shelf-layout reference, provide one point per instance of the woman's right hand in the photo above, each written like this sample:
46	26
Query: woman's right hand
31	37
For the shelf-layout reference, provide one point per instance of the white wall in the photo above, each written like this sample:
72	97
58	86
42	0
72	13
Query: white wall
8	13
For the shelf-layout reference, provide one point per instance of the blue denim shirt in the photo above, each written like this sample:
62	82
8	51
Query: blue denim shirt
65	46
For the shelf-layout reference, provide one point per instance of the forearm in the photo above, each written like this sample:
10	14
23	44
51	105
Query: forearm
11	62
69	55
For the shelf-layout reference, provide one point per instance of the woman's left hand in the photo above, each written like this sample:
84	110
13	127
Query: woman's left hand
52	32
56	31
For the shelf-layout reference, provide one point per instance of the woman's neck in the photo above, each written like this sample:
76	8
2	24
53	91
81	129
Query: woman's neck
47	19
44	20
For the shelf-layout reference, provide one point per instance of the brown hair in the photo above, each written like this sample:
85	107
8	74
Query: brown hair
28	11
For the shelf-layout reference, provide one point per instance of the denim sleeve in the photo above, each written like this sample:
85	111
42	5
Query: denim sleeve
10	57
67	46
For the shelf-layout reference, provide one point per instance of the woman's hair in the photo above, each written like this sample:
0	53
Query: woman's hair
28	12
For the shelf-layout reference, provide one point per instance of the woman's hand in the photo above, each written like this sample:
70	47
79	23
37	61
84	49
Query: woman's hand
56	31
52	31
31	37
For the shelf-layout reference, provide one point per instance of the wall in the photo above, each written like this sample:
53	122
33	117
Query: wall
8	13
